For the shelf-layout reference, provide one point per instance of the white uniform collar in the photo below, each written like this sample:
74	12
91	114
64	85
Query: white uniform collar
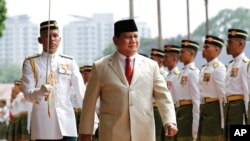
212	61
173	70
44	54
189	65
239	57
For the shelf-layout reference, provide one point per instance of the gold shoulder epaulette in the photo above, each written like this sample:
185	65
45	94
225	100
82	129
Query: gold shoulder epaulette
177	72
33	56
193	67
245	60
66	56
216	64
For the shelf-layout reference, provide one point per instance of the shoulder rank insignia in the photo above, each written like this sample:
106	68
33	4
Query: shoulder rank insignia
66	56
216	64
177	72
33	56
230	61
193	67
245	60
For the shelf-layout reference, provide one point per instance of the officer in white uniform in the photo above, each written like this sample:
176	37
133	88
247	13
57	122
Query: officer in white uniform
237	95
171	60
212	91
52	116
158	56
189	98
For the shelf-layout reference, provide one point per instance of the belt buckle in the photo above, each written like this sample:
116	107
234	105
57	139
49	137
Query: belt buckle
203	100
225	100
177	104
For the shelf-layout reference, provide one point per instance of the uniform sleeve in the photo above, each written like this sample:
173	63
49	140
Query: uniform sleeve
220	85
30	91
77	83
244	84
89	103
163	98
194	91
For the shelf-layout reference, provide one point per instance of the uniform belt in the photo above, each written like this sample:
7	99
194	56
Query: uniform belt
77	109
16	116
154	105
235	97
183	102
209	100
23	113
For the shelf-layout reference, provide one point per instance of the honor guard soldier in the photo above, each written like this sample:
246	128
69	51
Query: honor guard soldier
4	119
187	110
237	95
19	125
212	91
86	72
248	78
158	56
48	80
171	60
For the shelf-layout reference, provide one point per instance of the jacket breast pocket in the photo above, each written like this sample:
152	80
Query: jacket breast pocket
64	69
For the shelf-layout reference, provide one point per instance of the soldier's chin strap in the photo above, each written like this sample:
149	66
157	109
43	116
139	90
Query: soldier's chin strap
47	98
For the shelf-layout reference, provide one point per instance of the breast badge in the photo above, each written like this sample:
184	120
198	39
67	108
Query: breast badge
234	72
183	80
206	77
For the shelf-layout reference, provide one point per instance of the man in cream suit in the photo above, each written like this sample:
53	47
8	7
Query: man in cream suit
127	83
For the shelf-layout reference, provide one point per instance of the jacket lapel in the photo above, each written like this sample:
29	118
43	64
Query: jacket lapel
137	69
115	66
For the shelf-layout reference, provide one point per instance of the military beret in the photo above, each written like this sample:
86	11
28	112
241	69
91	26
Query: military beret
157	52
190	44
237	33
172	49
18	82
46	25
85	68
214	41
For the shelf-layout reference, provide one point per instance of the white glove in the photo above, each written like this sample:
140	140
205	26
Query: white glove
45	89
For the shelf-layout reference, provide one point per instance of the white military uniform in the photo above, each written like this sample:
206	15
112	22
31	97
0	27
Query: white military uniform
172	83
4	114
212	83
20	106
163	72
62	120
237	74
188	86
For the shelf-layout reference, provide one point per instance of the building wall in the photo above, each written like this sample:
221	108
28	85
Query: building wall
19	40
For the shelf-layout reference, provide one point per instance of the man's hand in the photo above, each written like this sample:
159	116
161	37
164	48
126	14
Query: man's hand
45	89
85	137
170	129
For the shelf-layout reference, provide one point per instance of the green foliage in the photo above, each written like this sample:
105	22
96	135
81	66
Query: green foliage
9	73
3	16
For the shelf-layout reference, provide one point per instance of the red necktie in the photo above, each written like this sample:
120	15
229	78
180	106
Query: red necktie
128	70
